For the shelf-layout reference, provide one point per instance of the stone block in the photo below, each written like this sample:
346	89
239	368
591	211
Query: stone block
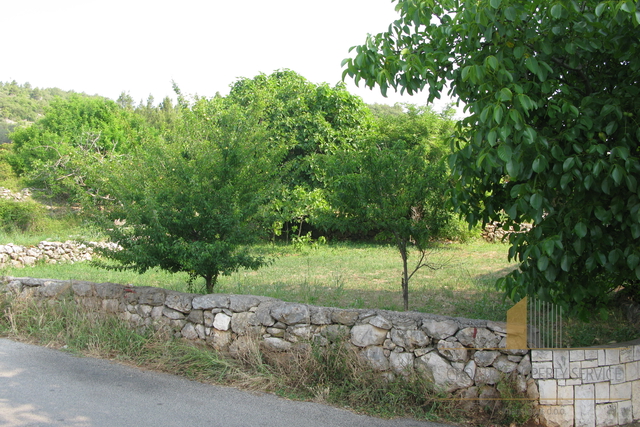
631	371
172	314
626	355
504	365
222	322
607	415
561	368
591	354
635	399
409	339
548	390
620	391
344	317
208	302
366	335
374	356
179	301
565	395
382	323
439	329
584	407
240	303
612	356
542	370
617	374
487	376
625	412
485	358
541	355
556	416
438	371
196	316
478	338
602	392
244	323
576	355
401	363
452	350
290	313
318	315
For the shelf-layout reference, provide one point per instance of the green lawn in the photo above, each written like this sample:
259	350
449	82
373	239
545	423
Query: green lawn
343	275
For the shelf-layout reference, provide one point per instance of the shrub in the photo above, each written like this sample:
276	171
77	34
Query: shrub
21	216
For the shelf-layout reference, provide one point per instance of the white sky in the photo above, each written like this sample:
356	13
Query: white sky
140	46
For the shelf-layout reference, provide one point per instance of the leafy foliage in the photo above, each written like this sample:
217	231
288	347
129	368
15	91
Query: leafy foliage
60	152
552	137
392	184
193	205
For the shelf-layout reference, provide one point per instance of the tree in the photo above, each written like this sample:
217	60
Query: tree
60	152
552	136
392	184
192	205
308	119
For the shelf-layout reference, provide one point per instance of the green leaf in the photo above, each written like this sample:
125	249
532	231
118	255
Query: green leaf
548	246
532	64
618	174
495	3
491	137
556	11
632	261
565	263
543	263
600	8
498	113
628	6
539	164
518	51
505	94
536	201
492	61
580	229
568	164
505	153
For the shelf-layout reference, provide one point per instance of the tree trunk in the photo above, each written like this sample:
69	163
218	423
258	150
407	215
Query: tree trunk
402	246
210	282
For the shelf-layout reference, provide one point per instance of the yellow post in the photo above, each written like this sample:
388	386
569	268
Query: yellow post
517	326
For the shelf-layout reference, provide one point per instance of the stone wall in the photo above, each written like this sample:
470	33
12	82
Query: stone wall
590	386
50	252
20	196
464	357
460	356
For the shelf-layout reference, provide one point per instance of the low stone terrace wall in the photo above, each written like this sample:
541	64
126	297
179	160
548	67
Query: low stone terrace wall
464	357
50	252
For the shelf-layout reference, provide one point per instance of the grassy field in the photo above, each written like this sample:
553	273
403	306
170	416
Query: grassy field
365	276
342	275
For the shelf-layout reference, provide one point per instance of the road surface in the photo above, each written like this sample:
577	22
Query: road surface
45	387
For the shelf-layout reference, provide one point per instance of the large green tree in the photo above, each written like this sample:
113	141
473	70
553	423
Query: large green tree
192	205
552	137
307	118
392	185
61	151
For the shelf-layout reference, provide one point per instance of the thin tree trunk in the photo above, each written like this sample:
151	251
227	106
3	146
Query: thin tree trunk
402	246
210	282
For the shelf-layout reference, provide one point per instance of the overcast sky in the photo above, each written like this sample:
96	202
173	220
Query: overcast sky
140	46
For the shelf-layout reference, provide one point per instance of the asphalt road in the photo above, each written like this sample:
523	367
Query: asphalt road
46	387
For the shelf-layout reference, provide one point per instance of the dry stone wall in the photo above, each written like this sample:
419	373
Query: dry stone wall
460	356
49	252
573	387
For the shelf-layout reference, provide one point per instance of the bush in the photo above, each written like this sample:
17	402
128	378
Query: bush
21	216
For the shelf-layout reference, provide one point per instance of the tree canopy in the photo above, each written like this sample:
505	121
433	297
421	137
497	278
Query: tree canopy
192	205
552	136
